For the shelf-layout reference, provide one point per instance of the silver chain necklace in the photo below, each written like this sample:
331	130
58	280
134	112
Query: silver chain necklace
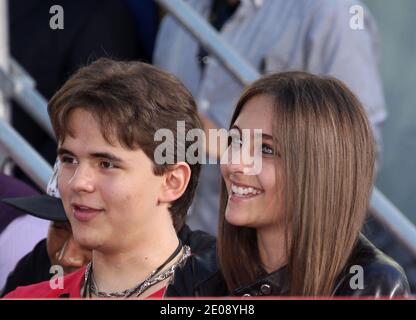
90	286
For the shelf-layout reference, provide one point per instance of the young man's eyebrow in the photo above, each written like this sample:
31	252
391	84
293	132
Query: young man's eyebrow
105	155
62	151
102	155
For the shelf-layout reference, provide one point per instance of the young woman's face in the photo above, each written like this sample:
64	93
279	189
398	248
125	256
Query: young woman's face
110	193
254	200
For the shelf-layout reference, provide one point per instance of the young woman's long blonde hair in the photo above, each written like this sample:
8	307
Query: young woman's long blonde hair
327	150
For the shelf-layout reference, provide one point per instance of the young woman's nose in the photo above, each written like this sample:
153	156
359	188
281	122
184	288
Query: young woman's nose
241	160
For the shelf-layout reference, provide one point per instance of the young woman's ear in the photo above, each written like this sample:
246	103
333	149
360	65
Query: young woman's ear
175	182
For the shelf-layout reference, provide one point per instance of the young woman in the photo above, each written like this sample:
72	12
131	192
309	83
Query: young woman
293	227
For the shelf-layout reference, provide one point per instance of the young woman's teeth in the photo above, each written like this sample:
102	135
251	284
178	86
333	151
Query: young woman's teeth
240	191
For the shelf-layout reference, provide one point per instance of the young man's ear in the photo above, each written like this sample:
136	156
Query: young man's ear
175	182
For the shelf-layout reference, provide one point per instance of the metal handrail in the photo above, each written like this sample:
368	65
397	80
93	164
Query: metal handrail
384	210
4	55
390	216
19	85
24	155
211	40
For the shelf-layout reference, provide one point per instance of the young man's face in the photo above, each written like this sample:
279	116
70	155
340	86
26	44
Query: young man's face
110	193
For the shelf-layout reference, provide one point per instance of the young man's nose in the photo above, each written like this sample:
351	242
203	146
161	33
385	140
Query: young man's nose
72	255
82	179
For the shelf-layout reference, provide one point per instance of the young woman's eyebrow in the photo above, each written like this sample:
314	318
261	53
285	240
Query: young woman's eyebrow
266	136
263	135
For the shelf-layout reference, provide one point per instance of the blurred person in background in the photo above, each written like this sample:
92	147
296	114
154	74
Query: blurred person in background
19	232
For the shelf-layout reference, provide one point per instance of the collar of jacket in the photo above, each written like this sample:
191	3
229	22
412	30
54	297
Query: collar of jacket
201	265
273	284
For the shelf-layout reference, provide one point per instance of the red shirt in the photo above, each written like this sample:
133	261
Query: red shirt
72	289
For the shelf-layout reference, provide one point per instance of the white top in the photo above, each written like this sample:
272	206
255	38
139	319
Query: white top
18	239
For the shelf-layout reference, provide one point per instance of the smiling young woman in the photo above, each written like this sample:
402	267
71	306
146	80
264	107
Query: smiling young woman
294	228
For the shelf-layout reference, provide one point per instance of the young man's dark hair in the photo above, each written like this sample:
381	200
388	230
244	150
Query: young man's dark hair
152	99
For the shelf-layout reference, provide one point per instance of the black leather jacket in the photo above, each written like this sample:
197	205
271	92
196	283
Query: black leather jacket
200	266
382	277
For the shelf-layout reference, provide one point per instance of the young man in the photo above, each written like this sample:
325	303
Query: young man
122	204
